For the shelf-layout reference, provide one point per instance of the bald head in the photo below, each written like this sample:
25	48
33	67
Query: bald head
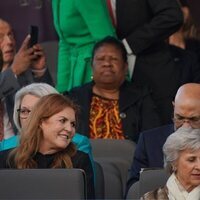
187	103
189	91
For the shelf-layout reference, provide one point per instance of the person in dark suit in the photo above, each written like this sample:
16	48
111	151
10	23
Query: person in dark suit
148	152
188	36
143	26
187	65
19	69
112	107
22	67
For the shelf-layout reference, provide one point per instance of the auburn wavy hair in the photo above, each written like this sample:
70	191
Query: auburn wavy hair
32	135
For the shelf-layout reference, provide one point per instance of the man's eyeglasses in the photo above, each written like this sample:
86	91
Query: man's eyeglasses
23	112
194	121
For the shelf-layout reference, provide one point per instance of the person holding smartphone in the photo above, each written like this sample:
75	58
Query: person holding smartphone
22	67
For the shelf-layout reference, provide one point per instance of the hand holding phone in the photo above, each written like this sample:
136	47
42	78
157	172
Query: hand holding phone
34	35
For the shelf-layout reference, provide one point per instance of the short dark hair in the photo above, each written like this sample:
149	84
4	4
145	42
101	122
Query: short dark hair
113	41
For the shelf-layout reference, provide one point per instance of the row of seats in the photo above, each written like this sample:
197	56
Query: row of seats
42	184
68	184
112	161
115	157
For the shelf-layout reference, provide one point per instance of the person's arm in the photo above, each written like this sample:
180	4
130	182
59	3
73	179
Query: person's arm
63	62
21	62
96	17
140	161
167	19
63	48
38	66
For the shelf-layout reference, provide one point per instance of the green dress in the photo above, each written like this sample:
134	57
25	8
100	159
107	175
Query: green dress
79	24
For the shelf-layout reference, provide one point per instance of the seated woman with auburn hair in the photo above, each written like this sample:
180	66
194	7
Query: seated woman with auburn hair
46	140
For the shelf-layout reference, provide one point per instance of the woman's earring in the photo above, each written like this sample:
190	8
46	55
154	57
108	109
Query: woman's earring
174	168
91	77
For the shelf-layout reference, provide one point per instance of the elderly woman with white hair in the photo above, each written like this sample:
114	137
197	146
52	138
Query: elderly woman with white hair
25	99
182	159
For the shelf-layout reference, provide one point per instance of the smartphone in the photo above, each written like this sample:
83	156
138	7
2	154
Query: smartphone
33	31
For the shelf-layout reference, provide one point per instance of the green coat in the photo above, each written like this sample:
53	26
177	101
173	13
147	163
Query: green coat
79	24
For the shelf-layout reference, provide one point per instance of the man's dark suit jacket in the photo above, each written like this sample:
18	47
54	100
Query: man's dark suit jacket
148	151
187	64
146	24
10	84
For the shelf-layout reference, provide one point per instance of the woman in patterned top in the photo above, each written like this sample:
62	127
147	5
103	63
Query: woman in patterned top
112	107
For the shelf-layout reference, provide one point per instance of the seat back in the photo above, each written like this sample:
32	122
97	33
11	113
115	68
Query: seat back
113	183
134	192
113	148
51	53
115	157
42	184
99	185
150	179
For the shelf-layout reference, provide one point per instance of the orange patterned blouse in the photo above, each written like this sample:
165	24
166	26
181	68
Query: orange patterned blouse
104	119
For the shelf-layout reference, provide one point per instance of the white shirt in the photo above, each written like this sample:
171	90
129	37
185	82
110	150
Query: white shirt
8	130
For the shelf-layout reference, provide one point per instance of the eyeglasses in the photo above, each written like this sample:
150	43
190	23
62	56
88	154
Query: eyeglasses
23	113
193	121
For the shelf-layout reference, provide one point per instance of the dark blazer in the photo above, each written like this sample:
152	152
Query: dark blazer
148	151
146	24
137	109
194	46
187	65
10	84
80	160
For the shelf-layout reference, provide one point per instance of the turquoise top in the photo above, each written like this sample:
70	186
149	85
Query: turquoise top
9	143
